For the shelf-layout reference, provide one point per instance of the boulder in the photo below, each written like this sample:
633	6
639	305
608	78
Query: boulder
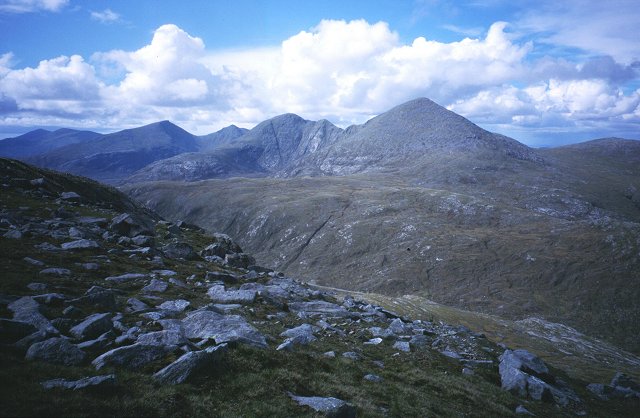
222	328
180	250
218	294
131	225
123	278
402	346
70	196
373	378
136	305
190	365
103	341
155	286
240	260
94	382
26	309
33	261
329	407
177	305
220	276
56	350
55	271
221	246
319	307
166	338
130	357
97	297
92	326
80	244
302	334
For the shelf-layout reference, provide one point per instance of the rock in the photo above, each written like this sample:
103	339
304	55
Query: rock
144	241
80	244
94	382
13	234
399	328
92	326
329	354
177	305
72	312
131	225
218	294
130	357
52	299
451	354
351	355
467	371
37	287
123	278
136	305
521	410
330	407
26	309
215	276
164	338
97	297
222	328
320	307
402	346
33	261
55	271
287	345
241	260
374	341
70	196
302	334
90	266
190	365
165	273
155	286
12	331
373	378
178	282
103	341
56	350
621	387
622	380
221	246
180	250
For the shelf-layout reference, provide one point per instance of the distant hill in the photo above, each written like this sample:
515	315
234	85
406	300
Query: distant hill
42	141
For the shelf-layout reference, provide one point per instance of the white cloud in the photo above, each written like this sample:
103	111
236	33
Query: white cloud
105	16
28	6
343	71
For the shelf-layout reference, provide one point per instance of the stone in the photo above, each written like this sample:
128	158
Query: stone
72	312
373	341
92	326
399	328
171	338
319	307
97	297
33	261
373	378
55	271
26	309
123	278
190	365
330	407
132	357
419	342
143	241
329	354
222	328
165	273
302	334
56	350
90	266
94	382
221	246
214	276
622	380
218	294
37	287
136	305
13	234
402	346
80	244
180	250
240	260
467	371
131	225
12	331
155	286
178	282
51	299
70	196
178	305
351	355
521	410
103	341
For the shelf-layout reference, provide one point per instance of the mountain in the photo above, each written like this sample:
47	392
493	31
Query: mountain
267	149
106	309
114	156
42	141
224	136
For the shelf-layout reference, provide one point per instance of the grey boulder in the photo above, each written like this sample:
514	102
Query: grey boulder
131	357
80	244
218	294
92	326
94	382
190	365
222	328
330	407
57	351
131	225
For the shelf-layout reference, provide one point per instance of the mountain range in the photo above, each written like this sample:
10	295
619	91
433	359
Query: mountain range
418	201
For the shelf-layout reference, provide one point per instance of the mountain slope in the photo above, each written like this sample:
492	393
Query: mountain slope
224	136
114	156
42	141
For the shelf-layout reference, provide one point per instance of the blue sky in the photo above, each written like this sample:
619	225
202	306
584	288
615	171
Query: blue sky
543	72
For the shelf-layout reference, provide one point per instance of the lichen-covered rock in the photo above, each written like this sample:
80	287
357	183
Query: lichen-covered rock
218	294
222	328
56	350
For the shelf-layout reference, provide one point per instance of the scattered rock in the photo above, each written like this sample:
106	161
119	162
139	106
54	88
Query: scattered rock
55	271
222	328
80	244
130	357
180	250
95	382
92	326
241	260
319	307
521	410
190	365
123	278
373	378
177	305
166	338
26	309
221	246
131	225
155	286
402	346
330	407
136	305
56	350
218	294
13	234
351	355
70	196
33	261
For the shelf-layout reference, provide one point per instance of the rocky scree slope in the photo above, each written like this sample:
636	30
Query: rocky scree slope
110	313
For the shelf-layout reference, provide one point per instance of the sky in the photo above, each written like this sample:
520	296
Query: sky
545	72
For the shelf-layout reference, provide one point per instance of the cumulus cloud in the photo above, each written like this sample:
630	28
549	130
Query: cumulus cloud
105	16
28	6
343	71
